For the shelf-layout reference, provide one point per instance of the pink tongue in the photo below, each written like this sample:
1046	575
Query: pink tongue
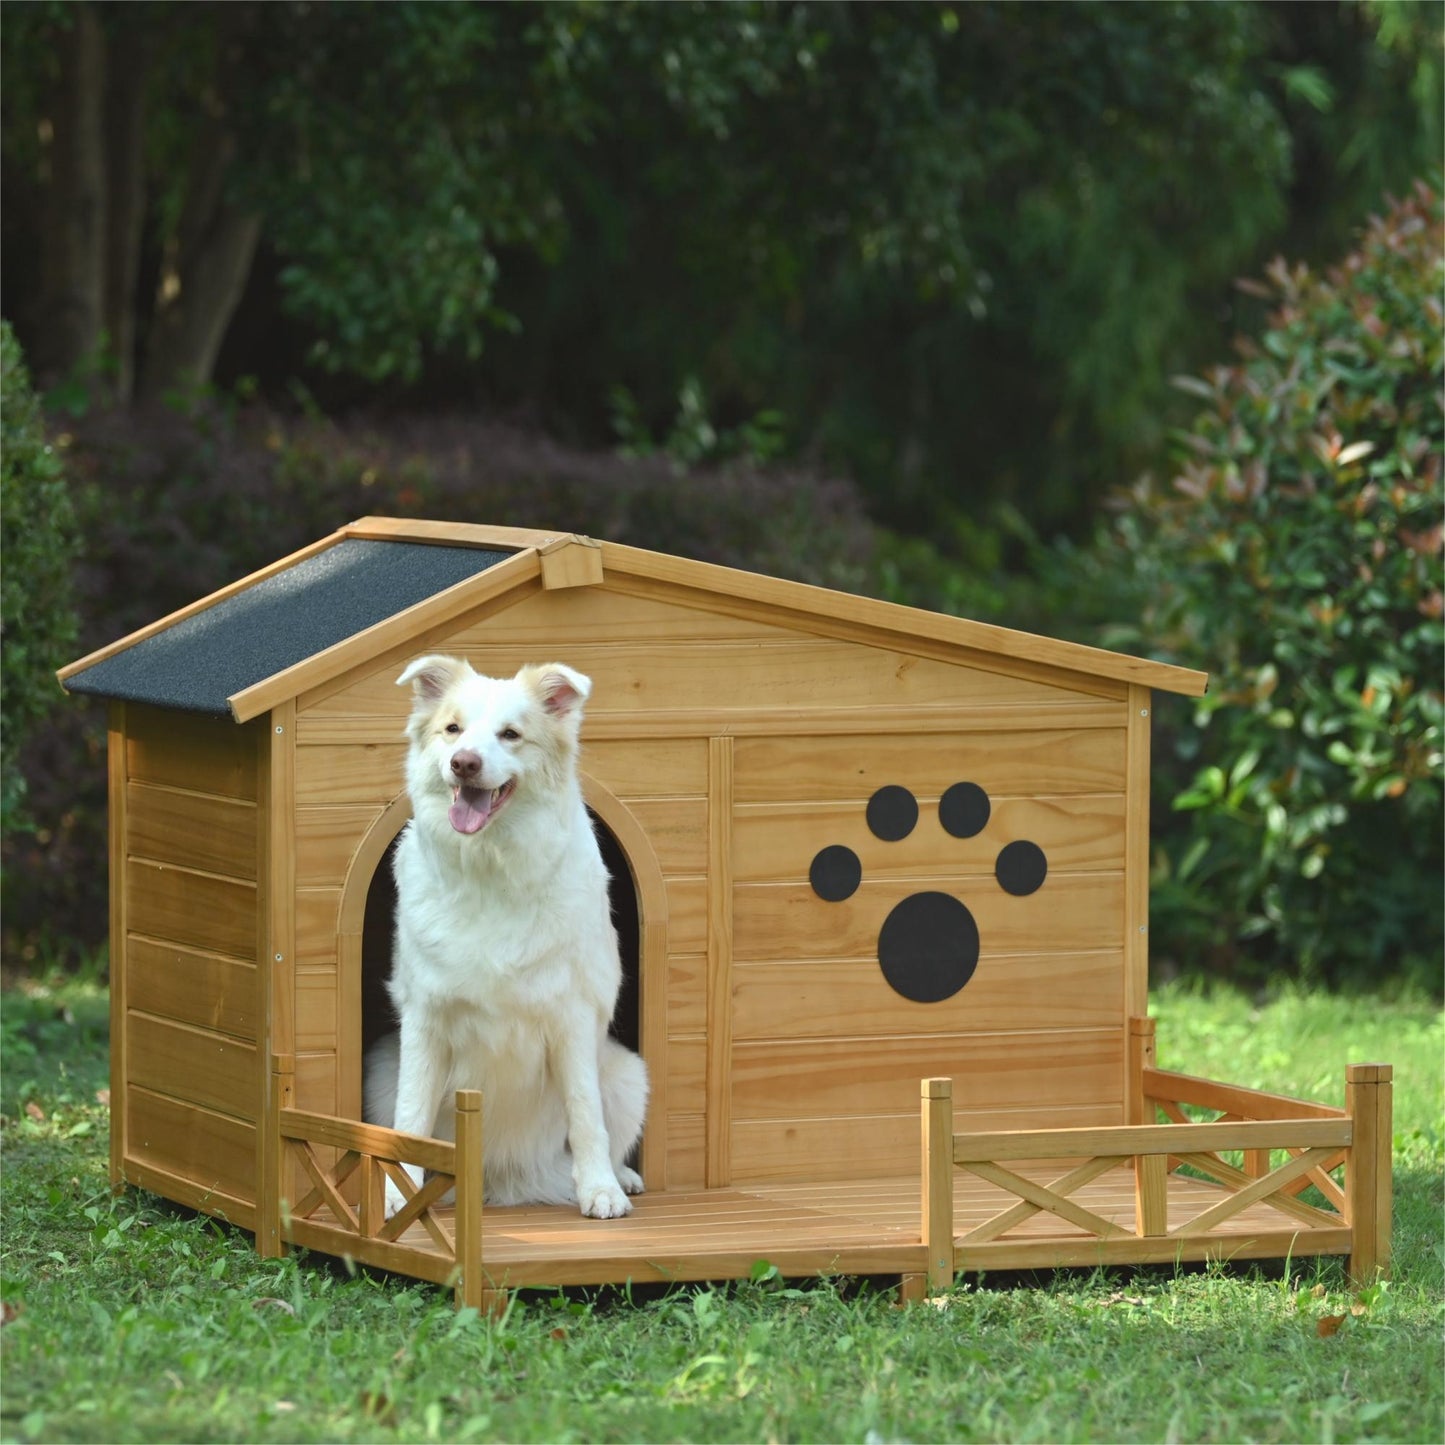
471	809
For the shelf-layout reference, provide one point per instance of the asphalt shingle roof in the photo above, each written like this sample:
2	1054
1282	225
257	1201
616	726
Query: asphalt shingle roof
199	662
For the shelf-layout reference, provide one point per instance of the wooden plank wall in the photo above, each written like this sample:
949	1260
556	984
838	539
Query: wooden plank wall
187	1088
827	1057
820	1074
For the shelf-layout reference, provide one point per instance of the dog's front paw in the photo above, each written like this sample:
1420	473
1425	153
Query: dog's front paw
630	1180
604	1201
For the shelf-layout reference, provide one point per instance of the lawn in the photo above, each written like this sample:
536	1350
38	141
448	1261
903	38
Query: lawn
129	1319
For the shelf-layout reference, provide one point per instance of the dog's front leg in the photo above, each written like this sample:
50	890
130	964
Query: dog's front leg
422	1070
574	1053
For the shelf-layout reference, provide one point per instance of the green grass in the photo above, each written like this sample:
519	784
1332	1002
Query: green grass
134	1320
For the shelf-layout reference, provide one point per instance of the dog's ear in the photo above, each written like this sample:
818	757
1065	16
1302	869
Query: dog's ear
431	676
562	689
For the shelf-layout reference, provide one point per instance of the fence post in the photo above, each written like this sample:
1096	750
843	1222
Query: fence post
1151	1171
1151	1194
471	1287
271	1166
1369	1181
937	1119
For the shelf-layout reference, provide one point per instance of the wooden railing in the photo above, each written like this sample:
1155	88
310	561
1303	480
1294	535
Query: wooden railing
1283	1145
340	1206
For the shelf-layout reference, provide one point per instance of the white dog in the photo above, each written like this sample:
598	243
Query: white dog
505	970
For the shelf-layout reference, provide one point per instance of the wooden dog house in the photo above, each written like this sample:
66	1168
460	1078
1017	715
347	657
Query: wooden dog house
857	846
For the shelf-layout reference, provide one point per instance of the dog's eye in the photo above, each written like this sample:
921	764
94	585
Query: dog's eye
453	728
509	735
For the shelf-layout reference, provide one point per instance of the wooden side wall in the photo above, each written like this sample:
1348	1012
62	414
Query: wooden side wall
742	748
186	998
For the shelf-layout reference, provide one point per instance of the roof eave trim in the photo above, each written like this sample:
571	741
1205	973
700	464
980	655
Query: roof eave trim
452	534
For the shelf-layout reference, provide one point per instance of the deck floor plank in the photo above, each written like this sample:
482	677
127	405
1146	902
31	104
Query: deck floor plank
859	1227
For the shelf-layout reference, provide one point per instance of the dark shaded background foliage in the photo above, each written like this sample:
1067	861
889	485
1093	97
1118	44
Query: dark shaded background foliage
1294	553
959	248
884	296
174	503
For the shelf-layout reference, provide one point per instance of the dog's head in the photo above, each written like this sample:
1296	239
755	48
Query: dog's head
484	741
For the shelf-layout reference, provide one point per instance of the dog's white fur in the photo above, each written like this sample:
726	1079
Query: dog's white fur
505	969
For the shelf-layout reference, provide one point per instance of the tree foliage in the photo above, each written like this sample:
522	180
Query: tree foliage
380	151
1296	554
956	247
912	231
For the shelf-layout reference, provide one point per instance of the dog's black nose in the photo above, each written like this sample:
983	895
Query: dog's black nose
466	765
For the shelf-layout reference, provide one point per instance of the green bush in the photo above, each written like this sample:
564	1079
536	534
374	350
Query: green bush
1296	555
38	540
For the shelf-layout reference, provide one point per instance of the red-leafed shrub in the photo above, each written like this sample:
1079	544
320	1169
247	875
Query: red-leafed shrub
1295	553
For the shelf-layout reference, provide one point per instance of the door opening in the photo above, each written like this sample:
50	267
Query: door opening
377	1014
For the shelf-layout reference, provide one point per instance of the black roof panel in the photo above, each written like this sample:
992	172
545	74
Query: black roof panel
204	659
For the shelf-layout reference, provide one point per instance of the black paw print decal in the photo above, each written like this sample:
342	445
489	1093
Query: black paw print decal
928	945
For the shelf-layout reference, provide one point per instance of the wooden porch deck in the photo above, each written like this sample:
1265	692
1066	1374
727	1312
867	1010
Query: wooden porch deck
1233	1188
868	1226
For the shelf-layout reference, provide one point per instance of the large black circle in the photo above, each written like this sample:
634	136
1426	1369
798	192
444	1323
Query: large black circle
836	873
892	812
928	947
963	810
1021	868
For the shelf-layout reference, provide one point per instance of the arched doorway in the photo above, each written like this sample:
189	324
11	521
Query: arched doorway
378	923
638	900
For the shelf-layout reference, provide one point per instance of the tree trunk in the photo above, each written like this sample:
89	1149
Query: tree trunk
125	197
207	261
200	295
73	257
